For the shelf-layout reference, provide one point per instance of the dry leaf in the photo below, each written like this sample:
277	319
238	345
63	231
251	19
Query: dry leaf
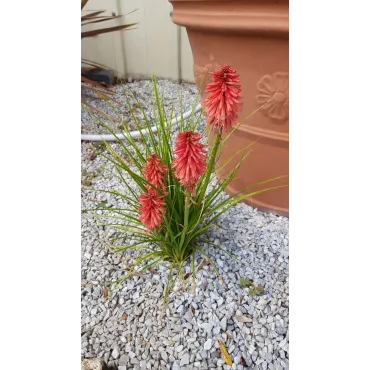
230	335
242	318
124	316
153	271
225	355
86	182
259	288
92	156
195	203
105	293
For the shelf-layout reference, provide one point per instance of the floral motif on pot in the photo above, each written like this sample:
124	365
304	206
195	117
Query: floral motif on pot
273	96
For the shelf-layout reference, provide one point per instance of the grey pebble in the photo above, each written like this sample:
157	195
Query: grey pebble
281	330
124	360
185	359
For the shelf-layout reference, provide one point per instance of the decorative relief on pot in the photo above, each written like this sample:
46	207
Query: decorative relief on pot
200	73
273	96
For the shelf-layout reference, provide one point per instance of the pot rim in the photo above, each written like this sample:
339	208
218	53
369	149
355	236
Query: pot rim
218	16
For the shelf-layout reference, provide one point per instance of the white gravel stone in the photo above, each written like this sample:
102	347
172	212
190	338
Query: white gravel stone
223	324
208	344
115	353
207	327
176	366
185	359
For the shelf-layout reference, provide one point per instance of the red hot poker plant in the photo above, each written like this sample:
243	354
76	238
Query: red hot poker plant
191	161
167	222
224	102
152	209
154	171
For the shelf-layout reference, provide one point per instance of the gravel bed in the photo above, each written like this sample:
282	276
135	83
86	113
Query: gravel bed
130	330
121	111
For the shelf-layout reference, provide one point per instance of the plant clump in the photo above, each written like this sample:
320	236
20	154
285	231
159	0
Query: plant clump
172	205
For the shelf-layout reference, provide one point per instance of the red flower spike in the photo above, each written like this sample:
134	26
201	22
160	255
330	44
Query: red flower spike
152	209
191	161
154	171
223	104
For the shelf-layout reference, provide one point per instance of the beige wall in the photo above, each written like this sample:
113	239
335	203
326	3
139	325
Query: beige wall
153	47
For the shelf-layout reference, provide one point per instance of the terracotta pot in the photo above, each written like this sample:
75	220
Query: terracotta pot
253	37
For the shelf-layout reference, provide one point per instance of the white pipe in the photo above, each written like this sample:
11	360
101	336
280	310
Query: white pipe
136	134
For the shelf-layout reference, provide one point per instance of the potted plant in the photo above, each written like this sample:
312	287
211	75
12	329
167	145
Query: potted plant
252	36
